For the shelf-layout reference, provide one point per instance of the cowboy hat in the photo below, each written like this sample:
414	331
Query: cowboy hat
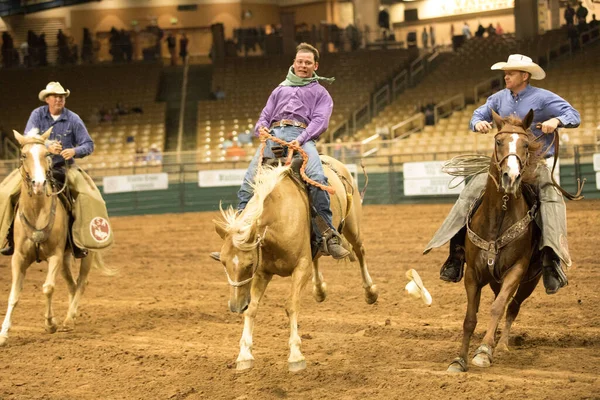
416	288
53	88
518	62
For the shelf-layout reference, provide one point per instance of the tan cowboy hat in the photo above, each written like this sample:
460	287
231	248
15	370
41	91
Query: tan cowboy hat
415	287
53	88
518	62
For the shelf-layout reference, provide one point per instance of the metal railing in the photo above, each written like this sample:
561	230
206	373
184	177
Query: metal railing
405	128
485	88
399	83
361	116
447	107
381	99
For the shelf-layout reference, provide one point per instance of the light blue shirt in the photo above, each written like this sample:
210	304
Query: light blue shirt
68	129
544	103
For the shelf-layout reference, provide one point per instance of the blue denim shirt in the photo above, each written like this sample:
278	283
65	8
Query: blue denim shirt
544	103
68	129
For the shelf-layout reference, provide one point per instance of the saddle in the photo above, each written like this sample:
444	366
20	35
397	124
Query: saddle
280	154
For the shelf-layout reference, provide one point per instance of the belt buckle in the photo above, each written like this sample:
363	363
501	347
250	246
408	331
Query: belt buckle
296	123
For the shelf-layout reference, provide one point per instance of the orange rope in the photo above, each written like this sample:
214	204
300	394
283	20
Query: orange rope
264	135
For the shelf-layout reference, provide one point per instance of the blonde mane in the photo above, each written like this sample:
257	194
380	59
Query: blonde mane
240	226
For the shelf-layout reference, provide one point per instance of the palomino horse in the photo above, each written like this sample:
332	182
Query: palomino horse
272	237
501	249
40	234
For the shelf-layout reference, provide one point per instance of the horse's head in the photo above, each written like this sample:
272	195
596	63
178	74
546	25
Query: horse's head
240	256
514	151
35	160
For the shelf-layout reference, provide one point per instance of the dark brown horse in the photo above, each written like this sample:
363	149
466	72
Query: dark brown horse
502	238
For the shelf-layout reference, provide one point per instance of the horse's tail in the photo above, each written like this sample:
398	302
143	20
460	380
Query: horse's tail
364	190
98	263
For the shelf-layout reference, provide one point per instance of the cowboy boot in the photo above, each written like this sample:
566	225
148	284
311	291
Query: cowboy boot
9	248
554	276
332	245
330	241
452	270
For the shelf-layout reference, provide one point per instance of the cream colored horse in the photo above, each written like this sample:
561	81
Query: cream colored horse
40	234
272	237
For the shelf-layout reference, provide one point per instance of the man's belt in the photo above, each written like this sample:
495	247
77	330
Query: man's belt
288	122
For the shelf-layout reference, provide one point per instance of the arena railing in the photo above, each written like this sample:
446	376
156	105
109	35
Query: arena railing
448	106
407	127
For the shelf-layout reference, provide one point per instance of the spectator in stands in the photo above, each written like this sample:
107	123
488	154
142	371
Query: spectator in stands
552	112
9	56
245	138
33	48
219	93
140	155
154	155
480	31
581	14
491	31
121	109
569	15
136	110
228	142
499	30
593	23
172	46
43	50
183	45
86	47
451	32
127	45
466	31
235	150
432	36
63	48
424	37
298	111
25	60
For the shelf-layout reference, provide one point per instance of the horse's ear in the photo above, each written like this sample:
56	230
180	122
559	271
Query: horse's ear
497	120
219	229
19	137
46	134
528	120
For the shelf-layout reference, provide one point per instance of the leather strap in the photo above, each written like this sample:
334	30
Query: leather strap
288	122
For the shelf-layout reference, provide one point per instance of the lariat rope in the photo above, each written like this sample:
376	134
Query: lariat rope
264	135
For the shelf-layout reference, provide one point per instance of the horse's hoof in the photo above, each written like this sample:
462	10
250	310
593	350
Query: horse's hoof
68	325
51	328
244	365
502	347
296	366
457	365
482	361
320	292
371	294
3	340
483	356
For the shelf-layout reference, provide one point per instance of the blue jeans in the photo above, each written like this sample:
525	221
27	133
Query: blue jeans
314	170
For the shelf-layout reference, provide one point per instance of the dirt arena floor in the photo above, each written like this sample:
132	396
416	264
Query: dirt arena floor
161	329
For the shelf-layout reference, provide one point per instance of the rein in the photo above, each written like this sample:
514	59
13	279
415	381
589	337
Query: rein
264	136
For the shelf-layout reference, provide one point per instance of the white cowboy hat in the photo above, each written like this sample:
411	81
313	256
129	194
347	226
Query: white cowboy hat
416	288
53	88
518	62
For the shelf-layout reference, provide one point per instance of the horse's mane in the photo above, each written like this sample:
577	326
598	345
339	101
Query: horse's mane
529	173
240	226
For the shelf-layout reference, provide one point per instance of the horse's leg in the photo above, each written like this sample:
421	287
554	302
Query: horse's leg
371	291
296	361
65	271
512	311
319	287
54	262
18	267
84	269
483	354
473	289
245	359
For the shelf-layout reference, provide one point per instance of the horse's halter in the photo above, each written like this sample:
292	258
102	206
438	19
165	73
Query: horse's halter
27	176
509	129
25	173
258	245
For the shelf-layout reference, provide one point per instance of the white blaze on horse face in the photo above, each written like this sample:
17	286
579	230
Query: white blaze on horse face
512	161
39	175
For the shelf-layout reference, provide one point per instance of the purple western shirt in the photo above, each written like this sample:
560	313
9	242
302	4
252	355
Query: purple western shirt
310	104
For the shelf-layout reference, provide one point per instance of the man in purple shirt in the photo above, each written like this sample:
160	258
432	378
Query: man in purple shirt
551	112
298	111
